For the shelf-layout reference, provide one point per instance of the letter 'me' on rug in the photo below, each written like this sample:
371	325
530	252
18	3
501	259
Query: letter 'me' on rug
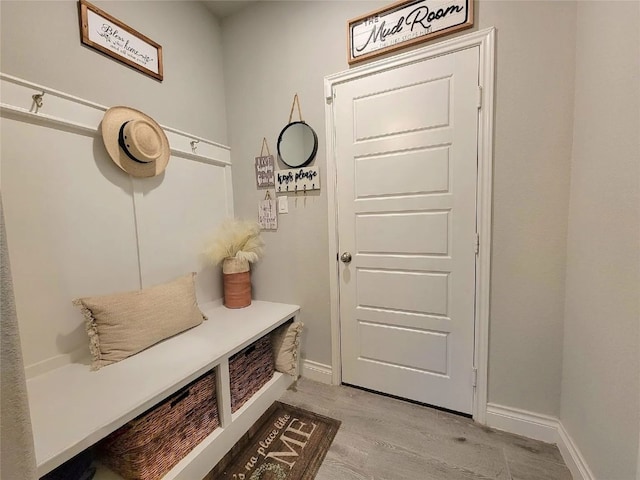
286	443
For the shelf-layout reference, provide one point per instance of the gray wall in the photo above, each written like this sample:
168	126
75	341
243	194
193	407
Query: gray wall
275	49
600	389
41	43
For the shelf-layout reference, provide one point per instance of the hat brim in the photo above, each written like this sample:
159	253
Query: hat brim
111	123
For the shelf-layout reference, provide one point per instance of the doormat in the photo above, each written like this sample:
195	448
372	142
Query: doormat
286	443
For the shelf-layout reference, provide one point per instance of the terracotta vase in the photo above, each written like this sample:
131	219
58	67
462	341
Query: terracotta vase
236	283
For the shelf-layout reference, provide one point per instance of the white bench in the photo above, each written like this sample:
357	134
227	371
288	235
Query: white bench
72	407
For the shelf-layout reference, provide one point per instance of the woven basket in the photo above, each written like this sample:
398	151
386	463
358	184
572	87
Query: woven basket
149	446
236	283
249	370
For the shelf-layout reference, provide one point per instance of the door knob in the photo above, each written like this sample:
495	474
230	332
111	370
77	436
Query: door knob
345	257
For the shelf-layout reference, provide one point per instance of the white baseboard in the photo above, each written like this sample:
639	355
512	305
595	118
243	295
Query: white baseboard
317	372
521	422
540	427
572	456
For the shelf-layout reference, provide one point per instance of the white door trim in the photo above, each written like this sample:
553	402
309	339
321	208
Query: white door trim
485	40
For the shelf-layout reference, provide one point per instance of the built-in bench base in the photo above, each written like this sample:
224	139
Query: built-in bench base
72	407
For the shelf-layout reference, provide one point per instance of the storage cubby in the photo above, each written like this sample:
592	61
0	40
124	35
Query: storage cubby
72	407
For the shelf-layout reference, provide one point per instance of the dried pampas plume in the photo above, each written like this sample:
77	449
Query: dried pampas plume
236	239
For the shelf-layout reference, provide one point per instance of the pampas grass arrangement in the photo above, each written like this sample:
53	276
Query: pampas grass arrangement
236	244
239	239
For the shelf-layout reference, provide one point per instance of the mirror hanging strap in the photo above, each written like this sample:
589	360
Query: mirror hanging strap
296	100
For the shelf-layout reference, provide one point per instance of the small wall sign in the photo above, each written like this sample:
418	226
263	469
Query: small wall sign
405	23
118	40
296	180
265	171
268	213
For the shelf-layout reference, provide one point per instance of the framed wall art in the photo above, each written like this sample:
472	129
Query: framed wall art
107	34
403	24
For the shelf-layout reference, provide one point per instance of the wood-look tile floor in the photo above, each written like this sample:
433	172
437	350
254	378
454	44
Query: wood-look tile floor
383	438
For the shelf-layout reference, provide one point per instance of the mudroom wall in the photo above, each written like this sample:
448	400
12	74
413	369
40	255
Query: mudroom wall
76	224
41	44
600	384
273	50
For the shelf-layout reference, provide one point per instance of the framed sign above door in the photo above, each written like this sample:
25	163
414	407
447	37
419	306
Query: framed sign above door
405	23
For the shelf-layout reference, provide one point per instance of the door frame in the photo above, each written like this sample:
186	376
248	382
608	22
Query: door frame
485	40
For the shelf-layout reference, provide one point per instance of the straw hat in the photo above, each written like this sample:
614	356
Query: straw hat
135	142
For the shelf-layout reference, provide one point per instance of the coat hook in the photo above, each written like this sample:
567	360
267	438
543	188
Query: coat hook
37	98
193	145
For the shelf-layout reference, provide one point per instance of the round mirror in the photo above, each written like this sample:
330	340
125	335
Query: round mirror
297	144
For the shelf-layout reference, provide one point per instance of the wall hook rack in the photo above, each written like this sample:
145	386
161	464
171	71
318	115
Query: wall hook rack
194	145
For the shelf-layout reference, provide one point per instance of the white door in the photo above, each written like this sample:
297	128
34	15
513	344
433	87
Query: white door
406	153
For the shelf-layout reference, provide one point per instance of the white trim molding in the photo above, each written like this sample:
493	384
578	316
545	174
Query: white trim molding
484	40
544	428
572	456
52	363
63	111
521	422
318	372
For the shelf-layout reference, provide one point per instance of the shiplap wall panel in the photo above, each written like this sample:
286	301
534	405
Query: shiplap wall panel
77	225
175	221
70	232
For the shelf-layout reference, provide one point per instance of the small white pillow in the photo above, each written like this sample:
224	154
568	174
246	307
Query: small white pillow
285	341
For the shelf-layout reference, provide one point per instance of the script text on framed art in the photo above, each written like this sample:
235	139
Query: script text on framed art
112	37
405	23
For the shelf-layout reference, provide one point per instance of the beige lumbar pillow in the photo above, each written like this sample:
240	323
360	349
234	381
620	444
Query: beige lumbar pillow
123	324
285	341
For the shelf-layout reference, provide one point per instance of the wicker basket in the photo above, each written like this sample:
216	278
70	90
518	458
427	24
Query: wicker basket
149	446
249	370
